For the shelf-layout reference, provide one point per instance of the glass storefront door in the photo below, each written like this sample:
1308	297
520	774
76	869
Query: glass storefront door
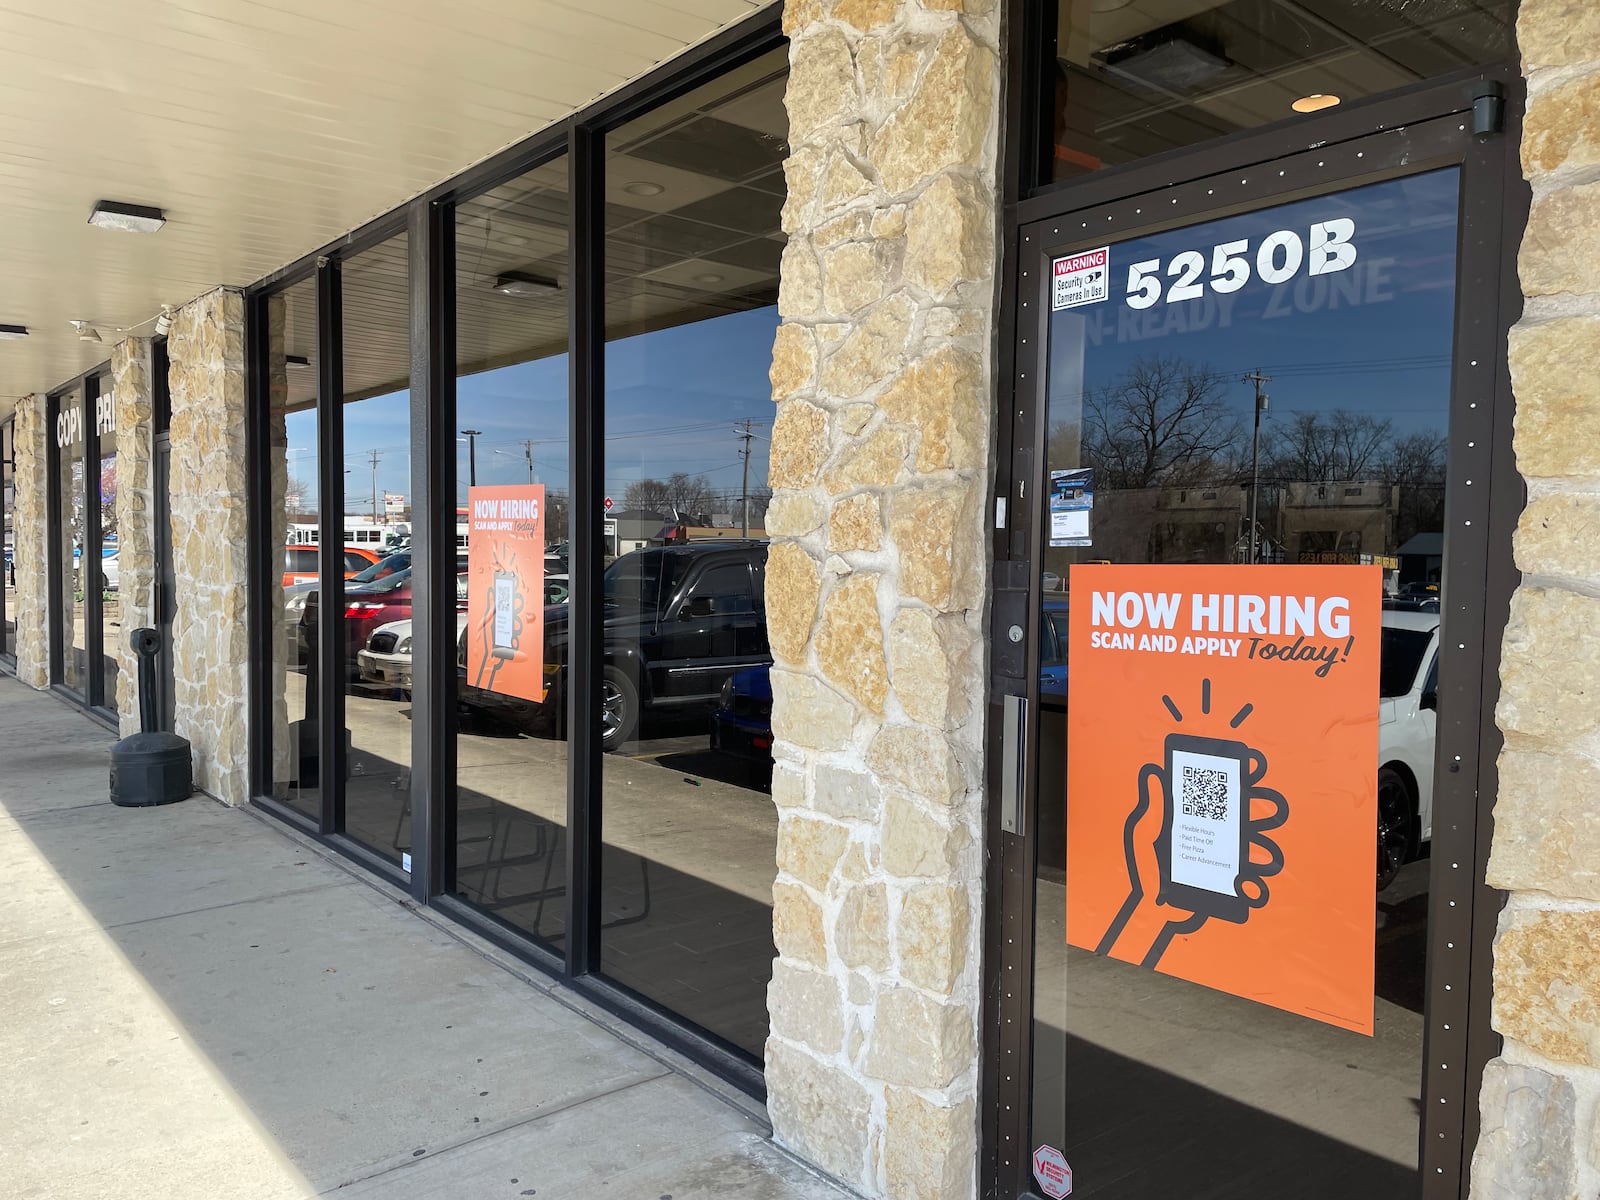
1255	530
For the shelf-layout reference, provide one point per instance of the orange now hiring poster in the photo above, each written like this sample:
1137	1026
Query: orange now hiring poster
1222	751
505	590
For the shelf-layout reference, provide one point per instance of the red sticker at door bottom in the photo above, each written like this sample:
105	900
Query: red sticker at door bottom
1052	1173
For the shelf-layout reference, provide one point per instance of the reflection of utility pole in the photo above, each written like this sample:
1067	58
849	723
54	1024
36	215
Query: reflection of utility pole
375	487
744	486
527	452
472	456
1257	378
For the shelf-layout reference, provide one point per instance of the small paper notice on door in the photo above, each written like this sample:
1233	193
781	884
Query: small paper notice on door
1071	501
1069	528
1080	279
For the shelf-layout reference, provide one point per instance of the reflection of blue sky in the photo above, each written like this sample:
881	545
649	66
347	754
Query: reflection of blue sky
1375	338
672	398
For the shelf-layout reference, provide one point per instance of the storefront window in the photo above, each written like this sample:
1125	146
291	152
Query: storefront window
293	557
1128	80
103	575
8	573
692	247
68	432
379	587
512	510
1268	388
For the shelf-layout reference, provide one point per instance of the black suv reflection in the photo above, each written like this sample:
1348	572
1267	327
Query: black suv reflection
679	621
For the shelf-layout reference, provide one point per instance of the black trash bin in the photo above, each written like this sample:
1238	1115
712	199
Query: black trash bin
151	766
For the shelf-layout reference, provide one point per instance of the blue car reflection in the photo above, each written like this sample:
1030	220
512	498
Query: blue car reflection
741	727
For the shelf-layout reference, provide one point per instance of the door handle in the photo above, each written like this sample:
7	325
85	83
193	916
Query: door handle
1013	763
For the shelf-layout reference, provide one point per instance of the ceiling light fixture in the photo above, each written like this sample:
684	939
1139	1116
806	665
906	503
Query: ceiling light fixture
128	218
708	277
12	332
296	362
643	187
520	283
1315	102
86	331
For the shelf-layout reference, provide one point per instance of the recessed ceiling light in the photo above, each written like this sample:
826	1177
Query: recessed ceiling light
1315	102
86	331
296	362
11	332
520	283
643	187
129	218
708	277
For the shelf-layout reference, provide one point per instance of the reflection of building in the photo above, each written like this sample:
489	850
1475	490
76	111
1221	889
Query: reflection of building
1337	521
1421	559
1198	524
636	528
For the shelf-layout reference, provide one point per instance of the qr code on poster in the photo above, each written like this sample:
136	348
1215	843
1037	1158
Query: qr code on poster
1205	793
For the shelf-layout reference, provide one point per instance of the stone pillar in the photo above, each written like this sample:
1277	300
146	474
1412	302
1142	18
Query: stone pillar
30	526
1541	1138
209	530
880	467
133	396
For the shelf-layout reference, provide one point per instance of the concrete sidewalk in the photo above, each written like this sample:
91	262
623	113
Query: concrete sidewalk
200	1003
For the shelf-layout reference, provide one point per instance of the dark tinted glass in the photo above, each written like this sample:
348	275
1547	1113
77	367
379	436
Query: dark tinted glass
376	617
512	292
1131	78
291	355
8	570
103	576
1152	390
1402	652
68	434
693	192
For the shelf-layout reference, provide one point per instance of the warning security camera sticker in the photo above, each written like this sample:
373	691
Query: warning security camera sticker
1080	279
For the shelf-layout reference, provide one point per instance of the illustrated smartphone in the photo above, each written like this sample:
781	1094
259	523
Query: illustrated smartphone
1204	843
505	614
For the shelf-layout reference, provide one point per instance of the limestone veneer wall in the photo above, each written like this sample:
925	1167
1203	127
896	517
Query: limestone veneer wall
133	396
205	347
30	541
1541	1097
880	468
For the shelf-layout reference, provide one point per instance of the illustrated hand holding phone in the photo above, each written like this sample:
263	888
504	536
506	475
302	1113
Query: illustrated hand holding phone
1196	844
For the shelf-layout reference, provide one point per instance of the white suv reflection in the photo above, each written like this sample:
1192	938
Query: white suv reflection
1407	720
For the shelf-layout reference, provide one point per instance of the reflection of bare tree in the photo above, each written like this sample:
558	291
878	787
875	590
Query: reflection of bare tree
1163	423
1415	467
108	497
680	493
557	516
1317	447
294	498
645	493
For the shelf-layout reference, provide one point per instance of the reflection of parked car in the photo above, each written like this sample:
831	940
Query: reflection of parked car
742	724
1053	650
300	563
679	620
296	595
111	571
557	589
1414	597
1408	688
386	658
370	604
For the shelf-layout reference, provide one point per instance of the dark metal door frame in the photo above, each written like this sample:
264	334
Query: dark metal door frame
1426	128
